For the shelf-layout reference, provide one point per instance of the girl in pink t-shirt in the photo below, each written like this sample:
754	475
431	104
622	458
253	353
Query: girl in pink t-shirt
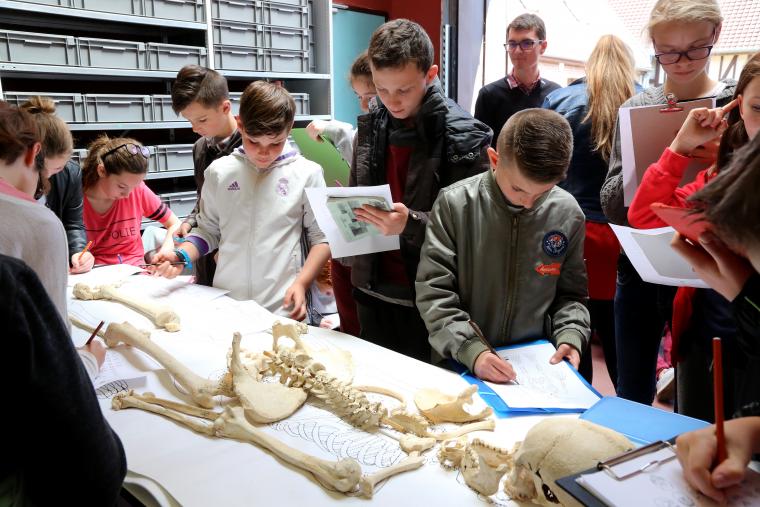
116	200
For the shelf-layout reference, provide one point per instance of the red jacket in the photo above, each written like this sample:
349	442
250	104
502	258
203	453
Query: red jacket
660	184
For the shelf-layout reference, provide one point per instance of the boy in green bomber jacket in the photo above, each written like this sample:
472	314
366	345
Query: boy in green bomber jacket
505	249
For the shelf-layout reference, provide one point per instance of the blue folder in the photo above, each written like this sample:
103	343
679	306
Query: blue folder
500	407
642	424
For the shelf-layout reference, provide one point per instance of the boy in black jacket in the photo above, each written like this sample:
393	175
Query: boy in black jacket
417	141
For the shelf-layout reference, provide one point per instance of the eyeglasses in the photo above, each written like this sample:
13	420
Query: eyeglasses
525	45
132	148
670	58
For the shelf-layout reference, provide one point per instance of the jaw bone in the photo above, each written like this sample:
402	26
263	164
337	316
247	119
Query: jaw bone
342	475
161	315
201	390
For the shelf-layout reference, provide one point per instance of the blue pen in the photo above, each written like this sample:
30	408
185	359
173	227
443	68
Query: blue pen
119	256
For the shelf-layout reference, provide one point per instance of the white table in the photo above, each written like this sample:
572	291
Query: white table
194	469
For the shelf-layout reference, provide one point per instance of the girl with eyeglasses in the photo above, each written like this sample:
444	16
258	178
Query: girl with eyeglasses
683	33
116	200
701	314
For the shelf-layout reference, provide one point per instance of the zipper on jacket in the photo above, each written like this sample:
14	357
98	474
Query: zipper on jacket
511	280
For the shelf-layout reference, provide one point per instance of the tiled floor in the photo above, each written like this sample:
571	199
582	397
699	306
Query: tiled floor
602	382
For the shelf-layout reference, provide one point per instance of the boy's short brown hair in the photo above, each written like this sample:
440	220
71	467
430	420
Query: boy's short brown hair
399	42
539	142
266	109
198	84
528	22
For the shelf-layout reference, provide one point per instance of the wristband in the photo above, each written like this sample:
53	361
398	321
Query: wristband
184	257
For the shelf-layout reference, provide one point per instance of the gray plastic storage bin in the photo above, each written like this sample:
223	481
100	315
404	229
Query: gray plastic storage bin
302	103
174	57
60	3
180	10
174	157
117	6
269	13
69	106
107	108
181	203
162	109
78	156
236	33
236	10
40	48
235	102
112	54
260	59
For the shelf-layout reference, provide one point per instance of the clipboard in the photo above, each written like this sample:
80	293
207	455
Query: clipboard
687	221
336	170
500	407
587	498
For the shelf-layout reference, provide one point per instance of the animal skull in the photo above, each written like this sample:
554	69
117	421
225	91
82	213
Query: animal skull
556	448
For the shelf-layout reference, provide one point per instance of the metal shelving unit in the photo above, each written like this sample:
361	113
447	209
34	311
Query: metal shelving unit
68	20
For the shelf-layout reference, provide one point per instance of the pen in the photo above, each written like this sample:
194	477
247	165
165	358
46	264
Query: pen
338	183
119	257
87	247
718	395
175	263
482	338
94	333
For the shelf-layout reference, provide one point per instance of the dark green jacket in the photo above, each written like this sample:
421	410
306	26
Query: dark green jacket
518	273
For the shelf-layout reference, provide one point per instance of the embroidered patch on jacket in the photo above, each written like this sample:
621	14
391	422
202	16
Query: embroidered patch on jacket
282	187
549	269
234	186
555	244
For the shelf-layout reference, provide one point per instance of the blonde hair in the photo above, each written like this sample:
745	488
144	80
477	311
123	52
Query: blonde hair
610	74
55	134
117	162
684	11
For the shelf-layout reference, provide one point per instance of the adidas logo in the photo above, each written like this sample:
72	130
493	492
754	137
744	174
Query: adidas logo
234	186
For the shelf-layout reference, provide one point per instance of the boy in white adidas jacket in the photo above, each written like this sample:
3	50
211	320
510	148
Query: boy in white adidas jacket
254	209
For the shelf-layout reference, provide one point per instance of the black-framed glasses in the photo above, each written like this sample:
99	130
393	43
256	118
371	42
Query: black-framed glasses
132	148
525	45
672	57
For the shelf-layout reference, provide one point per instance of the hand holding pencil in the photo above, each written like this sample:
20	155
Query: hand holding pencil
489	365
82	262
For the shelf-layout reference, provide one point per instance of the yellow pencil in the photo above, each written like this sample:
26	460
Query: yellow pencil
83	251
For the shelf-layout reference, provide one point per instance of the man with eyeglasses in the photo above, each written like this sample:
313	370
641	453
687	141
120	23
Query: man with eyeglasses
523	88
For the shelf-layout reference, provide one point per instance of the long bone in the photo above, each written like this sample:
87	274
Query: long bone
342	475
161	315
368	483
201	390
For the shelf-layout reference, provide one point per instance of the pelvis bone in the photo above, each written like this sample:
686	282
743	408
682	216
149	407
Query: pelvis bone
441	407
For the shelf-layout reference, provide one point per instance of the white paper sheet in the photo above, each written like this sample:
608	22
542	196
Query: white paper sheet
178	291
542	385
655	260
104	275
116	369
645	132
661	485
339	247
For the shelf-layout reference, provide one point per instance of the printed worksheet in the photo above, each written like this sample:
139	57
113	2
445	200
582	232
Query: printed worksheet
540	384
661	485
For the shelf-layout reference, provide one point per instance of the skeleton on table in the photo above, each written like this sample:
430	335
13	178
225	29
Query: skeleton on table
301	373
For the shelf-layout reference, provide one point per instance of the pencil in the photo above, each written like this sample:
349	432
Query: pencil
176	263
718	395
482	338
87	247
95	333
